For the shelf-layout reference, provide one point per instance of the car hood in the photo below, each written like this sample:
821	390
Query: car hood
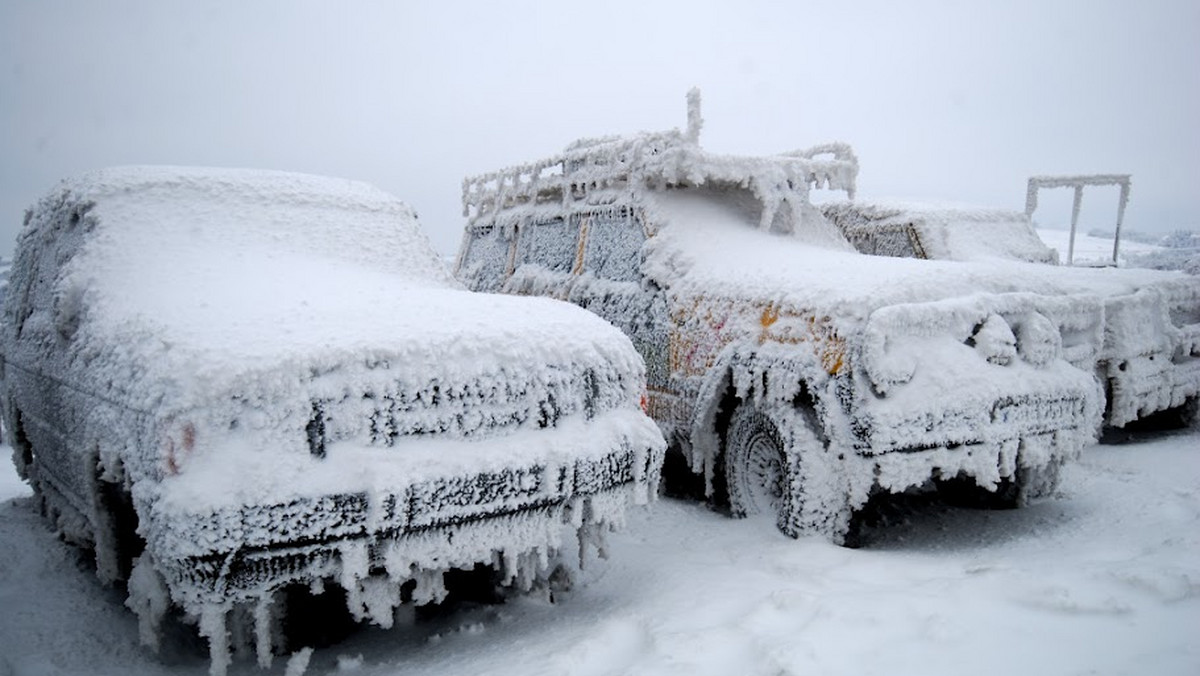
203	324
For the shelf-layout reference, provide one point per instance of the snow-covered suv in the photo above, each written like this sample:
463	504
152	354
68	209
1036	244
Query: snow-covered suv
239	386
1150	361
796	374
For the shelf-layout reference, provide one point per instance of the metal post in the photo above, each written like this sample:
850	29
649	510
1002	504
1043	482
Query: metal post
1120	218
694	121
1074	222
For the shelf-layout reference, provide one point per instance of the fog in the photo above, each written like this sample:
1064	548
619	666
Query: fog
944	101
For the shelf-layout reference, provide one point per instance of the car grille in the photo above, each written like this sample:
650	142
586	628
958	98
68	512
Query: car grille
386	413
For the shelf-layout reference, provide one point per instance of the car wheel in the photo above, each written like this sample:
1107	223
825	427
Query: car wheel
756	467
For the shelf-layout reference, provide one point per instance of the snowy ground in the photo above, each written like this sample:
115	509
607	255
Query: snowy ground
1091	250
1105	579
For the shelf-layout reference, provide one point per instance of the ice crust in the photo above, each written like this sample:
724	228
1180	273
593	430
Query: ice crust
263	358
880	373
1150	357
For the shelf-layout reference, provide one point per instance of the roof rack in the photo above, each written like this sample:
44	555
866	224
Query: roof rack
605	170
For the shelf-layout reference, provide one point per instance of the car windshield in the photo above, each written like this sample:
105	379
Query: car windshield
733	206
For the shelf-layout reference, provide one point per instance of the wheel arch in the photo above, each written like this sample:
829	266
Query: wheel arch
741	374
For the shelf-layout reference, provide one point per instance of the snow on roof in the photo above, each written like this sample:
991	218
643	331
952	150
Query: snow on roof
610	169
717	219
720	247
320	215
940	211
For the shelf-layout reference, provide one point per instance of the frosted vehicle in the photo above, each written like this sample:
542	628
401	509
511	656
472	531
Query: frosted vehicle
241	388
796	375
1150	360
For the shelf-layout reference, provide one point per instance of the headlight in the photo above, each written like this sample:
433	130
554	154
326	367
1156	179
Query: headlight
888	361
995	340
894	369
1038	339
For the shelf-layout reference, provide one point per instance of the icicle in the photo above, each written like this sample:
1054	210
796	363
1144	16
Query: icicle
148	598
298	662
380	596
355	562
264	620
431	587
1007	458
525	575
591	532
395	562
213	626
509	560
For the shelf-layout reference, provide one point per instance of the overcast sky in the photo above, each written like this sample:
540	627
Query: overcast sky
947	101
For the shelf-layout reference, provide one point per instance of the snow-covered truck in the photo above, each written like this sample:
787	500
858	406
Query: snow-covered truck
242	387
796	375
1150	360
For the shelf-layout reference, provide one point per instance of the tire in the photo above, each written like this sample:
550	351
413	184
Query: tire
757	471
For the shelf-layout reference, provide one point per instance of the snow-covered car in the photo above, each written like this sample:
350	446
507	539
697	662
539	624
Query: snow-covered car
798	376
242	386
1150	361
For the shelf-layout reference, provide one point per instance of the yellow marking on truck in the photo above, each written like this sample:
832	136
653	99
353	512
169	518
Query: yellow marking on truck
581	245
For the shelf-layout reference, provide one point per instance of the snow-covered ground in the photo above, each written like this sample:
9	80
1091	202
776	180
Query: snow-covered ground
1091	250
1103	579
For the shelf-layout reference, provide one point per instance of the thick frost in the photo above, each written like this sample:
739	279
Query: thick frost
1104	579
1149	359
284	378
938	231
869	373
1078	183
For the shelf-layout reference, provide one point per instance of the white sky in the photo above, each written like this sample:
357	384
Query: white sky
949	101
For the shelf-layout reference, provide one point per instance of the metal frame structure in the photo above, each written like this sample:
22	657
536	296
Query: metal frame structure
1078	183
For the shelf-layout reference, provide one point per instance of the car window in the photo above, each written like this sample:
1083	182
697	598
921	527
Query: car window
486	258
614	244
895	242
549	244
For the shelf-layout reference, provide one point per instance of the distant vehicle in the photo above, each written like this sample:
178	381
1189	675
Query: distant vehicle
1150	362
241	388
796	375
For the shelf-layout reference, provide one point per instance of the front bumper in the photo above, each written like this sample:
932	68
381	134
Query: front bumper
417	510
1006	418
1143	385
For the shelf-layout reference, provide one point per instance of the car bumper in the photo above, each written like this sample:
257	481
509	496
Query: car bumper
428	512
970	415
1143	385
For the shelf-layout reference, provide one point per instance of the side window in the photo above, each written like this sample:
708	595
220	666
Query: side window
550	244
614	246
890	241
485	260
